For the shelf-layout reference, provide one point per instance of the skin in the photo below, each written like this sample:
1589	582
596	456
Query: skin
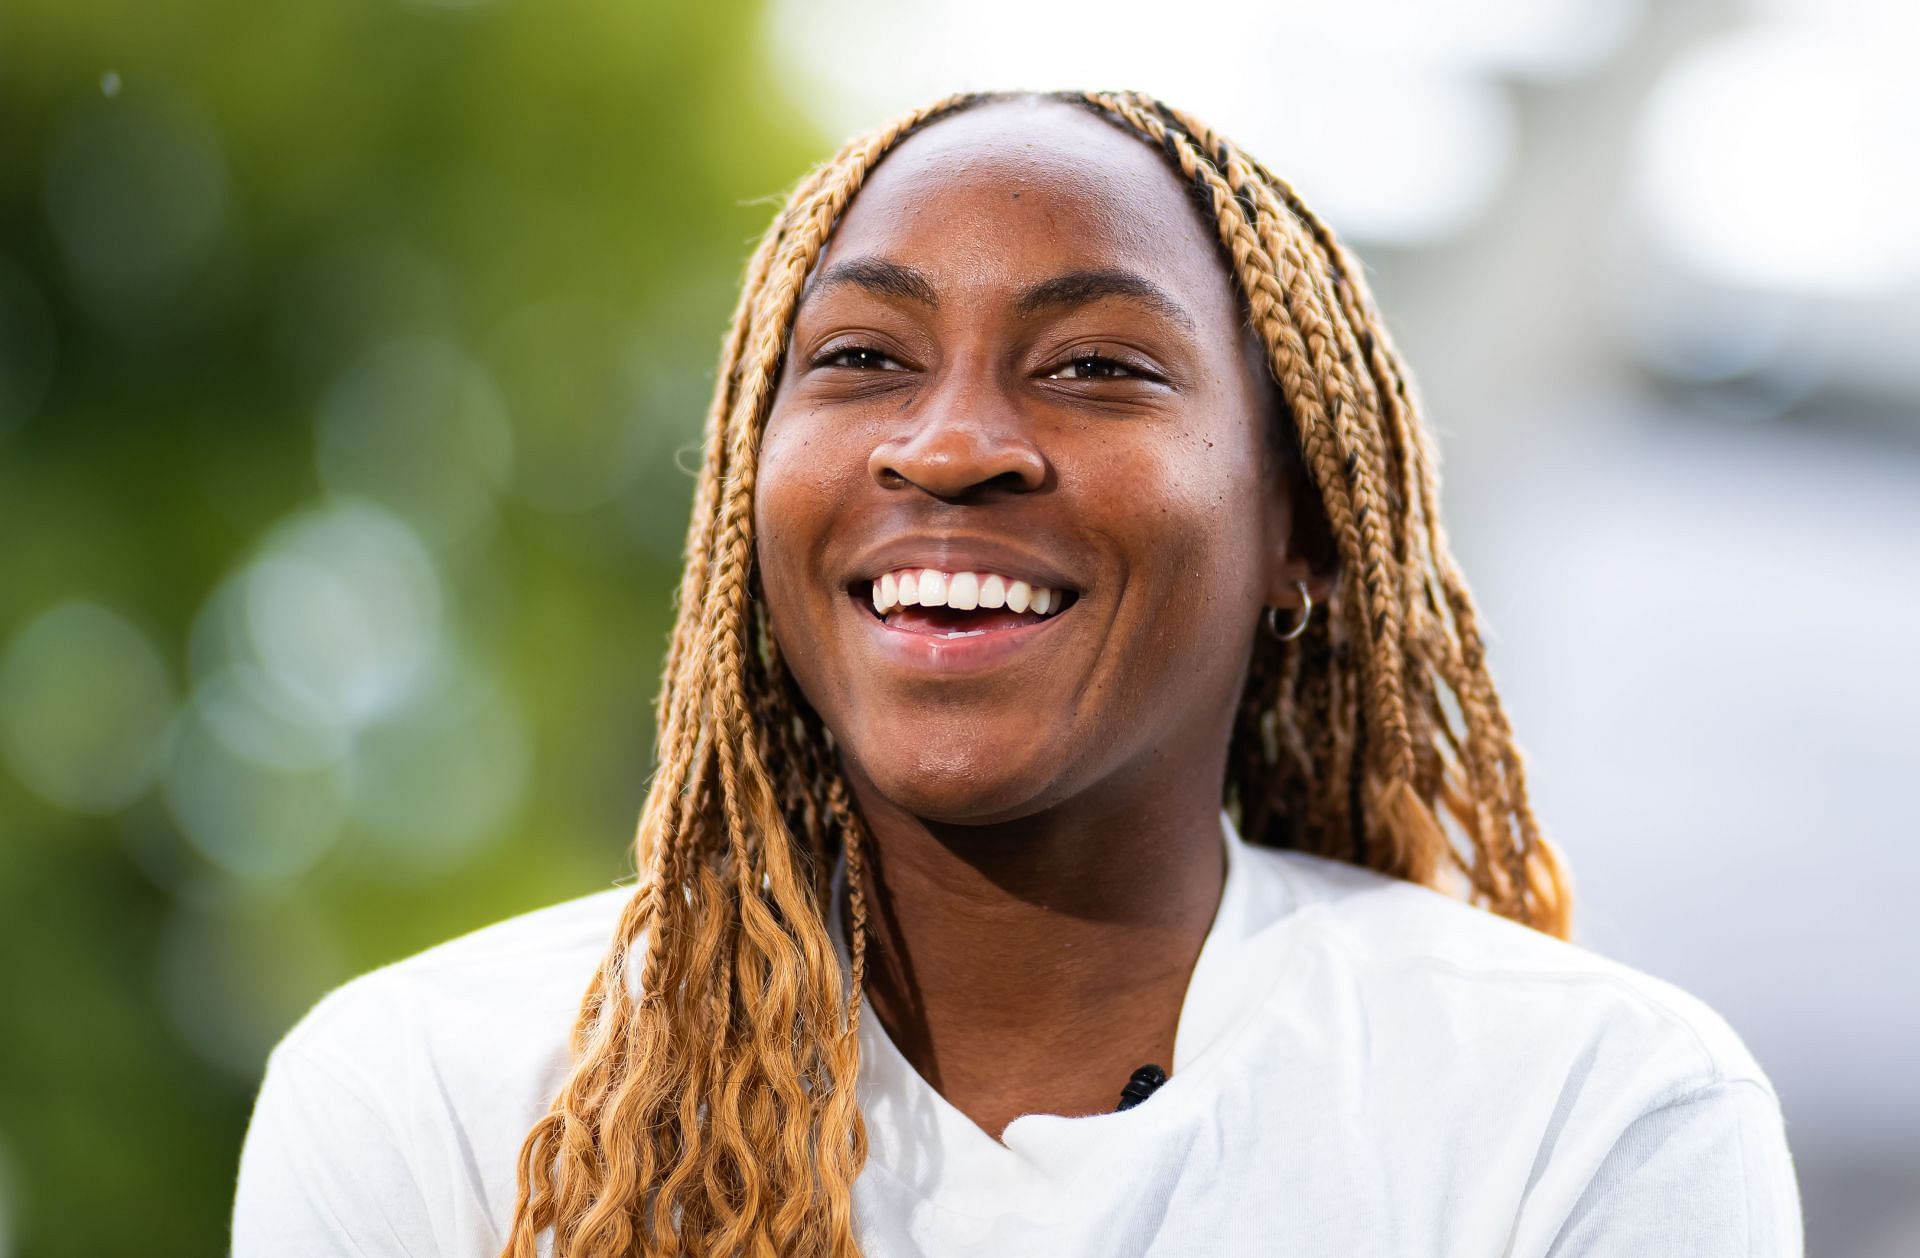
1047	824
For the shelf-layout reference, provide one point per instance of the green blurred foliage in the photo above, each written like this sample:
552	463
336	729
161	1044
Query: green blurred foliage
442	285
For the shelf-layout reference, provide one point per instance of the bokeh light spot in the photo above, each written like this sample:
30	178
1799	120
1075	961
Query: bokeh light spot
84	702
443	775
137	195
252	821
274	726
343	608
418	426
1787	106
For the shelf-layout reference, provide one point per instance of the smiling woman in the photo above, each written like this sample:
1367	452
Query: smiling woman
1081	796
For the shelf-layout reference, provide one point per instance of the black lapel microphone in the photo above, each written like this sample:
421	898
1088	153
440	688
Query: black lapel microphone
1145	1082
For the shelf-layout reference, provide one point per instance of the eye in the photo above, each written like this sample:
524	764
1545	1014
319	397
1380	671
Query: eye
1093	367
858	358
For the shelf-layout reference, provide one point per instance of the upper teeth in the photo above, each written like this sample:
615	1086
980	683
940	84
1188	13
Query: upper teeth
962	591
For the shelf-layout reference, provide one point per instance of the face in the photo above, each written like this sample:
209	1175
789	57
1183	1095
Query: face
1018	512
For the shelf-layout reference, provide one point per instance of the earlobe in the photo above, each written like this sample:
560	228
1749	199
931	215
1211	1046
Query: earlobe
1295	583
1305	562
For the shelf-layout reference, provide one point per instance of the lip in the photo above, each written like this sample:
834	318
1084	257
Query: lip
926	653
929	653
959	554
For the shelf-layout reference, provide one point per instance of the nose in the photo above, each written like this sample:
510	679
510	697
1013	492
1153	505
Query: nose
965	442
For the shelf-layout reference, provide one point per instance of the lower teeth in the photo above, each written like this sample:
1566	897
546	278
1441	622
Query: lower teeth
963	633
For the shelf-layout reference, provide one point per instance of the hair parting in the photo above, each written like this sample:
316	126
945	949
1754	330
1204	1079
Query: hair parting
710	1106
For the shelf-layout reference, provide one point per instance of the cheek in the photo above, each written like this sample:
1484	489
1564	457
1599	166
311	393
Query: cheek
780	502
809	450
800	490
1190	511
1184	624
801	477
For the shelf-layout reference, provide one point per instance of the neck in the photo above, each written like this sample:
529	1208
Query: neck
1030	966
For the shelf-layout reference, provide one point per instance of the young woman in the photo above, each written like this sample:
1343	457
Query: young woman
1071	677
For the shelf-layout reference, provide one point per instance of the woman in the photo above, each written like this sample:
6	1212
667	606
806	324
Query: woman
1071	678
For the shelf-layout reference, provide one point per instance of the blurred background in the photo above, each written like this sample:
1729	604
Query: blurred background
353	355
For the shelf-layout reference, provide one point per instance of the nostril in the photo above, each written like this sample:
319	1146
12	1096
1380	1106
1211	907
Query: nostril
958	459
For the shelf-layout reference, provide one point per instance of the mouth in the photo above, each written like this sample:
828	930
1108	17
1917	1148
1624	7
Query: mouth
945	605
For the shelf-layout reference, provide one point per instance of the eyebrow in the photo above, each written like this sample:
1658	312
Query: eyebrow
1075	288
879	277
1081	288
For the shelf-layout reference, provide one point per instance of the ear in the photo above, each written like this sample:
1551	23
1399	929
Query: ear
1300	545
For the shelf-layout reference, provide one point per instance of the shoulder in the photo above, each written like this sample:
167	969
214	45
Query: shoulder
392	1114
500	979
1417	948
1614	1105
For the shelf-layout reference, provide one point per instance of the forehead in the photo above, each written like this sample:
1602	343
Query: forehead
1023	189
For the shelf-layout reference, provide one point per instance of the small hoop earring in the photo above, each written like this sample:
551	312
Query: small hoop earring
1306	614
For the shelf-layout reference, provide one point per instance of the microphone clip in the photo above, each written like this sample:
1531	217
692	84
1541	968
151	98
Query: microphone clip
1145	1082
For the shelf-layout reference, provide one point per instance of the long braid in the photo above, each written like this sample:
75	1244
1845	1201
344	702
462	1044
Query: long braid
710	1107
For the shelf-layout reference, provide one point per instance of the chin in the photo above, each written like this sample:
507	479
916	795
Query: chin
972	784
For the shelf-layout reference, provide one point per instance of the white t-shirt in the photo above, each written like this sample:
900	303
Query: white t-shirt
1362	1067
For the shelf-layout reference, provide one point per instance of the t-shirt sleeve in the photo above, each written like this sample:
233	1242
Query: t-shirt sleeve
322	1174
1707	1176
